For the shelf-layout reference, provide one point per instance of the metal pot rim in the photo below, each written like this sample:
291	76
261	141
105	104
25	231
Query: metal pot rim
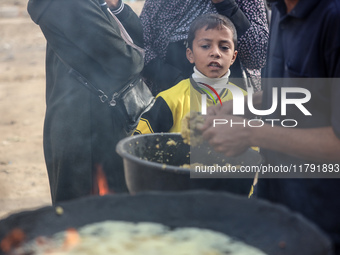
126	155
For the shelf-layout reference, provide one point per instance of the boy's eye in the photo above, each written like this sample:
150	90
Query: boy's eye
225	48
205	46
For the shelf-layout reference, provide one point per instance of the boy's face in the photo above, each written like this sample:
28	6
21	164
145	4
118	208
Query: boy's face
212	51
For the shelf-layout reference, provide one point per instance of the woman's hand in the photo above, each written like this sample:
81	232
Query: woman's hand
112	4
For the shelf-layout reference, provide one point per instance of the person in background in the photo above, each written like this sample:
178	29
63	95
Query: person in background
212	42
304	43
81	132
166	24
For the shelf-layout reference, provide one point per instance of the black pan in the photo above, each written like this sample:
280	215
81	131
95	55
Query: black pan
151	164
273	229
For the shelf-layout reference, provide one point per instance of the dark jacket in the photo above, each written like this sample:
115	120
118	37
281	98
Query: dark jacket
80	132
303	48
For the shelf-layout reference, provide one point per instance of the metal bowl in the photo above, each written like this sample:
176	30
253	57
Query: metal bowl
152	164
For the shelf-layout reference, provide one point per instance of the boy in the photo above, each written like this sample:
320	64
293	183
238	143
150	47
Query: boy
212	42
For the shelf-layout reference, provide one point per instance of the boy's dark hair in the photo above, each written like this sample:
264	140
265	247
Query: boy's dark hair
210	21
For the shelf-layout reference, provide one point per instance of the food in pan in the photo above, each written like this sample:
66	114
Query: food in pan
126	238
191	135
171	142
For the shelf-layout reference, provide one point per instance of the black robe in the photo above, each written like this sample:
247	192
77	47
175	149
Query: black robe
81	132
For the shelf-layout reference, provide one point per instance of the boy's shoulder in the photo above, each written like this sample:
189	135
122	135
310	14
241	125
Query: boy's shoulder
179	89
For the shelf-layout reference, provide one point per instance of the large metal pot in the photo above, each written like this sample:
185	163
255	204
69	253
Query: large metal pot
273	229
151	164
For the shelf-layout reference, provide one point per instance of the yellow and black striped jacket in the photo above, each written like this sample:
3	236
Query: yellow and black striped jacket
172	105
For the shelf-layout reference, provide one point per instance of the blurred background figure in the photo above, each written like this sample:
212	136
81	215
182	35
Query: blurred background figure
166	24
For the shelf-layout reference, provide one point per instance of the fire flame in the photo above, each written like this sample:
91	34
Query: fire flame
72	238
12	239
101	186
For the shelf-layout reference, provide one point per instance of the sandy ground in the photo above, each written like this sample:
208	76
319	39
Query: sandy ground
23	178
